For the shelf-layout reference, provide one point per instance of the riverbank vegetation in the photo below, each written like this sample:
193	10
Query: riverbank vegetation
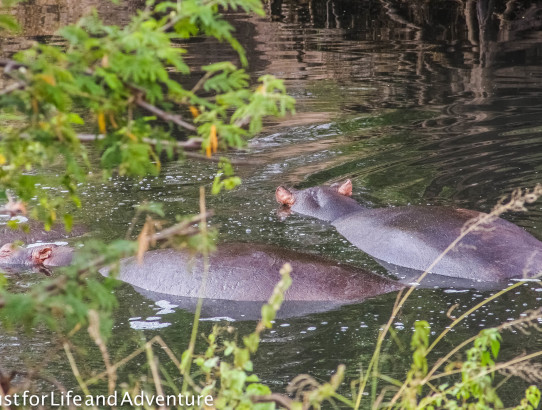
131	87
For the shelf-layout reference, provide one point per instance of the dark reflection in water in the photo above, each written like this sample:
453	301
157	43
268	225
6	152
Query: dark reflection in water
432	103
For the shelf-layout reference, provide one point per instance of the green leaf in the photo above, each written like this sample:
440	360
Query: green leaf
186	361
533	395
8	23
152	207
252	342
68	222
495	347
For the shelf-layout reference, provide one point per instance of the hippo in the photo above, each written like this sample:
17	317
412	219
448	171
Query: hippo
247	274
413	237
48	255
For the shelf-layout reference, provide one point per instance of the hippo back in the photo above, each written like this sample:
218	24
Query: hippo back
414	237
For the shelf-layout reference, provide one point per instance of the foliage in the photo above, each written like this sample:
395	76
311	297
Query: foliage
475	389
229	182
117	73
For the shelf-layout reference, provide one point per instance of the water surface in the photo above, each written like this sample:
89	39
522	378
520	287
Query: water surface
416	106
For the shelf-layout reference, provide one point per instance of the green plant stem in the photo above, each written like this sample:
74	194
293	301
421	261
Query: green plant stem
390	380
374	383
197	314
75	370
343	399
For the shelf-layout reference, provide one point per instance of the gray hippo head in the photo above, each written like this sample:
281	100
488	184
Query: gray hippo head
326	203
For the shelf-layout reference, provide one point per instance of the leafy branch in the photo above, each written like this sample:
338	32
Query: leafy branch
115	73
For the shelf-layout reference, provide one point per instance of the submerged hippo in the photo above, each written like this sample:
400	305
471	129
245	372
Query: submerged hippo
42	255
414	236
248	273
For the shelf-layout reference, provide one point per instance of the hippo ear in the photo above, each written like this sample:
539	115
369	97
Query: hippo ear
284	196
345	188
40	255
6	250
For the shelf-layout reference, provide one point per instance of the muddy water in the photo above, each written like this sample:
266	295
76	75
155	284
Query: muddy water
419	106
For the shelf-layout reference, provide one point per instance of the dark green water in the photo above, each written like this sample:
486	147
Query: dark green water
433	112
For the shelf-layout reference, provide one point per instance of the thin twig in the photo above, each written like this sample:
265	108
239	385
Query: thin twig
201	81
279	399
75	370
180	228
190	144
7	62
154	371
94	332
120	363
12	87
171	23
201	295
166	116
218	159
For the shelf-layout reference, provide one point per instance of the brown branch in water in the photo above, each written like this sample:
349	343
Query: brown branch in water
190	144
10	64
201	157
166	116
201	81
180	229
13	87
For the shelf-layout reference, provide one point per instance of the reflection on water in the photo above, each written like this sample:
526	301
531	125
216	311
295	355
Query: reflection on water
418	103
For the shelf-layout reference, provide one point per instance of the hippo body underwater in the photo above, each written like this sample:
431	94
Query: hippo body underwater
242	276
249	272
413	237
